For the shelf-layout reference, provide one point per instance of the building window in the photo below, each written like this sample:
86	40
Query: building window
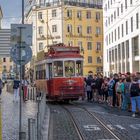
98	30
109	39
40	15
89	59
97	16
40	30
112	37
114	14
111	17
89	45
79	15
121	8
69	13
122	31
115	35
126	27
4	59
79	29
69	28
80	44
54	28
118	32
40	46
10	59
53	13
11	67
70	43
131	24
131	1
99	60
89	30
98	46
118	12
88	15
137	20
125	4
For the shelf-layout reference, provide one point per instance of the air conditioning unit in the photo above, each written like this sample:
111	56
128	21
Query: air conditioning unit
42	36
41	20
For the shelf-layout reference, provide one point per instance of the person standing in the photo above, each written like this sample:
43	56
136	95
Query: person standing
1	86
16	89
25	89
89	81
135	95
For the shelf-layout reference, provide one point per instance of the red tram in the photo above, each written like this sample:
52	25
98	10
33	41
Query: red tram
60	74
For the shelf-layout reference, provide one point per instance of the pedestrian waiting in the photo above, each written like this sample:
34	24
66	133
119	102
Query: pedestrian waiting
16	85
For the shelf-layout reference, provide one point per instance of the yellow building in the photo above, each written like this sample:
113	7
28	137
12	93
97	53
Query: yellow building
83	27
73	24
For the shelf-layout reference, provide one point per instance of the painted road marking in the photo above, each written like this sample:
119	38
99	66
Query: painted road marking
135	126
120	127
106	139
91	128
110	127
97	128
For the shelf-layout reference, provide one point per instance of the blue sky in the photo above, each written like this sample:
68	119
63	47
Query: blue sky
11	12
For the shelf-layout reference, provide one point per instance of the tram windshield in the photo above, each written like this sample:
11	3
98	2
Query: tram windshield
58	69
79	68
69	68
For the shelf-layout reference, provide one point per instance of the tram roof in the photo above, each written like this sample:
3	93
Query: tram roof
63	51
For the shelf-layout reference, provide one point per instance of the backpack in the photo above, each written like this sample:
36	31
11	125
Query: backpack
118	88
111	85
134	89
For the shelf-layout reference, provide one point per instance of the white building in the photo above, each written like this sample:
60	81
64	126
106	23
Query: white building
121	36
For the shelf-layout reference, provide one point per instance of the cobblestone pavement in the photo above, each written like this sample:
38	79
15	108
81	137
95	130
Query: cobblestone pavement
89	126
61	127
120	122
10	116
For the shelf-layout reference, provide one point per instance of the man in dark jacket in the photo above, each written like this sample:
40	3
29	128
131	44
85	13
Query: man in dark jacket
89	81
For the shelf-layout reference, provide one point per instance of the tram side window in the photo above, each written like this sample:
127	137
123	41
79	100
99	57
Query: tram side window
40	74
79	68
58	69
69	68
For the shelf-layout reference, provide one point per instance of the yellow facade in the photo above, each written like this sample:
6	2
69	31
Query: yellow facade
74	37
62	20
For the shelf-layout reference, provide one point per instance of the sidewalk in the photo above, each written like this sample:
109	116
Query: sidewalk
10	116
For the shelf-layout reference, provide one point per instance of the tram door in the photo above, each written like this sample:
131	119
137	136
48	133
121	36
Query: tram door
49	77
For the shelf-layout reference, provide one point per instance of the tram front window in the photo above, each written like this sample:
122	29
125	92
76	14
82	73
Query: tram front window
58	69
79	68
69	68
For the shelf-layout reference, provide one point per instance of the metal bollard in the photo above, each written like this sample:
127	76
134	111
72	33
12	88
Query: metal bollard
31	129
28	94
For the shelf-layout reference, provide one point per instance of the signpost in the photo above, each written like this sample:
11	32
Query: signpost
21	53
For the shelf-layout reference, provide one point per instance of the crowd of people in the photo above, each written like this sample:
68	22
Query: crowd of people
118	90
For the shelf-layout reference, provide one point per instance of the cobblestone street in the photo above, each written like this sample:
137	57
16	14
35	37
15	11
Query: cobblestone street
10	116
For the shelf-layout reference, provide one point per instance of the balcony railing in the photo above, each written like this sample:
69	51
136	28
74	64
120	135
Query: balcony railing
71	3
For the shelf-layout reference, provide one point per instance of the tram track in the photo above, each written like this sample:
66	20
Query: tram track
93	116
81	137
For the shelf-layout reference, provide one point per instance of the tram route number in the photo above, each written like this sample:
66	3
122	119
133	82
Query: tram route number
111	127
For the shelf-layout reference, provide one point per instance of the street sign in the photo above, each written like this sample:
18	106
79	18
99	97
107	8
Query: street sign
21	33
21	54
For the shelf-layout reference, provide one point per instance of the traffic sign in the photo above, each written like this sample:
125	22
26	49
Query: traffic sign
25	35
21	54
